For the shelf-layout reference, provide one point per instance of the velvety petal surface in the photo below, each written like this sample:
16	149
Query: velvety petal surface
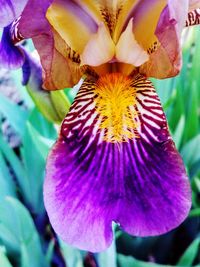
10	10
115	161
11	56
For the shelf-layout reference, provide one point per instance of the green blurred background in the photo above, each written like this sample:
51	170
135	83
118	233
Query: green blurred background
26	238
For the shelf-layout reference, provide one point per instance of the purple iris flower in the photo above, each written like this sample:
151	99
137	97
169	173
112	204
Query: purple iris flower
114	159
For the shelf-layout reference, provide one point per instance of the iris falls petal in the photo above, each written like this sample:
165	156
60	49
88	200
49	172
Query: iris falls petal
115	161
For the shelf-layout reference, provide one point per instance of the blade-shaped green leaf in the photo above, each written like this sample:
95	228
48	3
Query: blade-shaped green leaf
72	256
7	185
4	262
178	133
127	261
190	254
15	115
15	164
17	225
191	151
44	127
34	153
108	257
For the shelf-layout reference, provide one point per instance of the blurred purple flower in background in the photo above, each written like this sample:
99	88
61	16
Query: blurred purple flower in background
114	159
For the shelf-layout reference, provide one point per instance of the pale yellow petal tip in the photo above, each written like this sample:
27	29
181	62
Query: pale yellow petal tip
100	49
128	50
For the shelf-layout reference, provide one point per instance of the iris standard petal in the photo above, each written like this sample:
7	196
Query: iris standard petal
11	56
115	161
145	18
93	36
10	10
157	26
68	18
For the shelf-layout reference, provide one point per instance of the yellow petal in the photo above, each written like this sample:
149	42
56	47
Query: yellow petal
128	50
73	24
92	8
146	16
100	49
124	10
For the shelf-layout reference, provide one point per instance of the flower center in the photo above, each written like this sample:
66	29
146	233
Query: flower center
116	103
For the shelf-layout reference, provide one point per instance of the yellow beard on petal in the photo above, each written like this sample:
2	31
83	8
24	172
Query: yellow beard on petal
116	104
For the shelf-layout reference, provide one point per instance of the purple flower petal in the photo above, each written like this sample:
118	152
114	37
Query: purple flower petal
139	183
11	56
10	10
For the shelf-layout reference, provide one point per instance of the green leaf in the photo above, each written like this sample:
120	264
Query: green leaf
7	185
34	154
15	164
191	151
50	250
15	115
31	256
70	93
61	103
44	127
192	120
127	261
43	102
72	256
195	212
4	262
178	133
19	234
190	254
108	257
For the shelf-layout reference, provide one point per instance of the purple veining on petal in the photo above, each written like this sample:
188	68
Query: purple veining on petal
10	10
11	56
90	182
